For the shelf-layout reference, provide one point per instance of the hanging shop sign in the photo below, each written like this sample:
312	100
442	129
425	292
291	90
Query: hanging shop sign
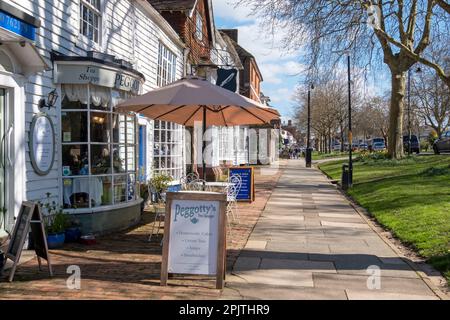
227	79
247	191
42	144
100	76
29	218
194	236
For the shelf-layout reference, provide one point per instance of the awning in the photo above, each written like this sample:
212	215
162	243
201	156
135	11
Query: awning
29	58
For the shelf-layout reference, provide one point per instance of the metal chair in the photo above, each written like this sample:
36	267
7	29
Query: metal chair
160	215
235	184
188	179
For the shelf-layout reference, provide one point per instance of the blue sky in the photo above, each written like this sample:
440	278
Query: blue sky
281	70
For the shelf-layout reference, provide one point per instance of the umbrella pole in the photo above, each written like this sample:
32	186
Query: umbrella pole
204	145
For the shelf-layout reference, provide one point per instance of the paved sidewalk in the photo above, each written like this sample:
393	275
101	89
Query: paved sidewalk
311	244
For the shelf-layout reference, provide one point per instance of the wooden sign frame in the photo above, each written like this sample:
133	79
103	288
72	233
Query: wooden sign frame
252	182
221	235
34	216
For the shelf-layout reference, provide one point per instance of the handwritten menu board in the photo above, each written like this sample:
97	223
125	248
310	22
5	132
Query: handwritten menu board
194	239
247	191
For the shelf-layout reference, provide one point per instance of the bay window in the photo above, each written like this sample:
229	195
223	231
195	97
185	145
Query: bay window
98	148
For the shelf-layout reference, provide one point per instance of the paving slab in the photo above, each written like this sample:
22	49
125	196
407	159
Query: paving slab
310	243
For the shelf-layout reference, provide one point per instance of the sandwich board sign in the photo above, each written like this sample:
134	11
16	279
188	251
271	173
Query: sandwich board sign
194	235
247	191
30	216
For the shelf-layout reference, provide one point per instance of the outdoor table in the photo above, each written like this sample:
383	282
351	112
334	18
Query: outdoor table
218	185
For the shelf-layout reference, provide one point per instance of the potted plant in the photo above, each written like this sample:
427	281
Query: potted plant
56	223
56	230
158	185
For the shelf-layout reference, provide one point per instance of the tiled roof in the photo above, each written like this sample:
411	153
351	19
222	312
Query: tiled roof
176	5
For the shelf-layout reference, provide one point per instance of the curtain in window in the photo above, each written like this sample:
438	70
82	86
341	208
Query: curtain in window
76	92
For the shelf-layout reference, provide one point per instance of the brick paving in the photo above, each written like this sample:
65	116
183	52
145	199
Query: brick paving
125	265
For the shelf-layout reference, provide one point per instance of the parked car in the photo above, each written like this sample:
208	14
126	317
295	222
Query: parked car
336	147
442	144
415	145
363	146
378	146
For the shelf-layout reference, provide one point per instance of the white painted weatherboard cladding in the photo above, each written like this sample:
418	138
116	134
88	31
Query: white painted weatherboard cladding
128	31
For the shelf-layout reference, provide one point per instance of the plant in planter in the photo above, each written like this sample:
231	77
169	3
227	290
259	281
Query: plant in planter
56	223
158	185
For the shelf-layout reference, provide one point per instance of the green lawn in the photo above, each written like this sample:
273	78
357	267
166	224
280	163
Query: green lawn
410	197
321	155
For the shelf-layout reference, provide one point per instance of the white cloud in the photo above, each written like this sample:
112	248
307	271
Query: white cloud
225	9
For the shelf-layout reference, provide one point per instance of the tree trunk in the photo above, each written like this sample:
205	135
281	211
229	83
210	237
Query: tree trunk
395	149
342	138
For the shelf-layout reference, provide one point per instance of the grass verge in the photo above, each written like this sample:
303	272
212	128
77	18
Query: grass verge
410	197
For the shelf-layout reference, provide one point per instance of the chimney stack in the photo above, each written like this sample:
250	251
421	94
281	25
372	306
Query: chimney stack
232	33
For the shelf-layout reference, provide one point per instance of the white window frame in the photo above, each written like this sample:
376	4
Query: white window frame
167	65
98	13
198	26
169	164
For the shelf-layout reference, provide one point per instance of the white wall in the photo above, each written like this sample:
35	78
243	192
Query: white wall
128	32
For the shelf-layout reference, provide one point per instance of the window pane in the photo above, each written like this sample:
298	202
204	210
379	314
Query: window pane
66	104
76	193
101	191
131	163
75	160
120	189
74	126
100	159
131	194
100	127
130	130
119	128
119	158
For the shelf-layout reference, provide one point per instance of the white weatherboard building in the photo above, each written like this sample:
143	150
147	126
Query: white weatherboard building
92	54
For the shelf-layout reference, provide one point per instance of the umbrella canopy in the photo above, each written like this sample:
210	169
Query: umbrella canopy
187	101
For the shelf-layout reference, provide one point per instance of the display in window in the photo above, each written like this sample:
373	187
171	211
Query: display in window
100	127
75	160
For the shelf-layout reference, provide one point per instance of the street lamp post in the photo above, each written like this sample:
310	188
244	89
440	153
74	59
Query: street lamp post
418	70
350	134
308	154
409	112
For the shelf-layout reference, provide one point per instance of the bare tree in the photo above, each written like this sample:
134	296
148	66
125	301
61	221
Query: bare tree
400	33
432	98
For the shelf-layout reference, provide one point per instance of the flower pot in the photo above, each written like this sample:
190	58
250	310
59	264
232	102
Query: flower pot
72	235
56	240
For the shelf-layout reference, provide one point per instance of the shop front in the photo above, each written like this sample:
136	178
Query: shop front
99	172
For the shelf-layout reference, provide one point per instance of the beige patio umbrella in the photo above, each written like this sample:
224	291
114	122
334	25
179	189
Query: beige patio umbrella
191	100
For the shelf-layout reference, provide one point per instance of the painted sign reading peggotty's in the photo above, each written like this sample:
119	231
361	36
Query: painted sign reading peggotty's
193	237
